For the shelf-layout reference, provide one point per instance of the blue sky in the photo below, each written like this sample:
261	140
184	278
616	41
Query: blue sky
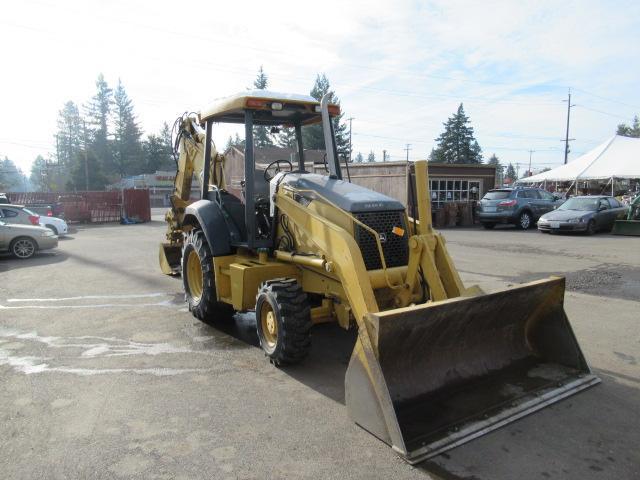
400	68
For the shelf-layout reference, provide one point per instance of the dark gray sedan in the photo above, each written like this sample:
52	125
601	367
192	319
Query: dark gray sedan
583	214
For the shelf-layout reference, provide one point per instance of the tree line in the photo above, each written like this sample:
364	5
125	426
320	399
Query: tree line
312	136
101	143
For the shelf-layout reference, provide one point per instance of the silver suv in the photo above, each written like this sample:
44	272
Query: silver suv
519	206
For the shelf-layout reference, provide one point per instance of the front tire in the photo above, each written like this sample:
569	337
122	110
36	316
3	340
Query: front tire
283	320
591	227
53	229
198	279
23	248
525	220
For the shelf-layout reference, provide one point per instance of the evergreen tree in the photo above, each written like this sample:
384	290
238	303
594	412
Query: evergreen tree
493	161
511	173
457	144
358	158
70	135
11	177
78	180
97	112
39	174
235	142
313	137
630	131
287	138
261	135
127	149
371	157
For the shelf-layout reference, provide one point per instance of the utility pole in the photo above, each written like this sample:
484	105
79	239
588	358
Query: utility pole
407	148
351	119
86	159
530	153
566	137
384	155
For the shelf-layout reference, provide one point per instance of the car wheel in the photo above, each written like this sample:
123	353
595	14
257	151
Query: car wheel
488	226
53	229
23	247
591	227
524	221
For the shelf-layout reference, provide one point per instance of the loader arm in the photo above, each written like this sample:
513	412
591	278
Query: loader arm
190	150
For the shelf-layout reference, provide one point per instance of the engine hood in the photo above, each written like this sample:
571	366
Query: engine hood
347	196
563	215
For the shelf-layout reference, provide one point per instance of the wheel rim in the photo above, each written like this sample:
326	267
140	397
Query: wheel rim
269	324
194	275
23	248
525	221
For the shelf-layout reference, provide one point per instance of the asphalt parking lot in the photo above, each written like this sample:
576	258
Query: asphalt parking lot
105	374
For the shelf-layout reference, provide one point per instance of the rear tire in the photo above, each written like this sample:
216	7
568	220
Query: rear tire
23	248
283	320
488	226
525	221
198	279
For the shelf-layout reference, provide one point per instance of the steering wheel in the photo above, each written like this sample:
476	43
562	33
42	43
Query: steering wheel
274	168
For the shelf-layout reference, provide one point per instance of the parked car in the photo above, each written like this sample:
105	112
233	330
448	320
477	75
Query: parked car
519	206
19	214
588	214
57	225
3	198
41	209
23	241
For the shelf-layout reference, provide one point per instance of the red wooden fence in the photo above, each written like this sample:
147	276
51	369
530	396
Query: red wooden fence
94	207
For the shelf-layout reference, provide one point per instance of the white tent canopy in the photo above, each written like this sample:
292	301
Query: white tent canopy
618	157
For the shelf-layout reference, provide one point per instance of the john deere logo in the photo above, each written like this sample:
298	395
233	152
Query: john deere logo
383	237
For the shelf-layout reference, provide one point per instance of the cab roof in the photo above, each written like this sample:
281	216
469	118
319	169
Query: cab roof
270	108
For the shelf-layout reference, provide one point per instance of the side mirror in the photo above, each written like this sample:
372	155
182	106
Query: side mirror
601	208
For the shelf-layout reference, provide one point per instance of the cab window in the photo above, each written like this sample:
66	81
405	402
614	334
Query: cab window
9	213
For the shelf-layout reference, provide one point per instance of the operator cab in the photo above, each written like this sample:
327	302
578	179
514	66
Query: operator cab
251	219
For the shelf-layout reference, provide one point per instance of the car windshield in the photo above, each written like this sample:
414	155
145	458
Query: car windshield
580	204
497	195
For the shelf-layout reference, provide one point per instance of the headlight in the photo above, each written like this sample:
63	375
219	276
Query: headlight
576	220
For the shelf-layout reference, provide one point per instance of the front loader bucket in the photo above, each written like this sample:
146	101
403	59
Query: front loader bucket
627	227
427	378
169	257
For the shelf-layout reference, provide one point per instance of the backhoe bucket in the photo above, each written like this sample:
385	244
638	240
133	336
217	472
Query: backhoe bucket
169	257
427	378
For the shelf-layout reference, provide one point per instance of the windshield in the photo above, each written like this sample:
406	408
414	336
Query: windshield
580	204
497	195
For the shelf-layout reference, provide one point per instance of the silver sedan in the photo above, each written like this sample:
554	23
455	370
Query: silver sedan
23	241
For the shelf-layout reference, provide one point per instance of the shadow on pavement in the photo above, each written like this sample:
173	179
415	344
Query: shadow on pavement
325	367
577	438
8	262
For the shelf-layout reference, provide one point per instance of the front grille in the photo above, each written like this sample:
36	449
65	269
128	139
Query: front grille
395	247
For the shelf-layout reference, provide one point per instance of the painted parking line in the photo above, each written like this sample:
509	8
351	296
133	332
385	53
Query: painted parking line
90	297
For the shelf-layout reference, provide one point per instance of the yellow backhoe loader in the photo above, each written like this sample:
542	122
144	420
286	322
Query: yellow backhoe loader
435	364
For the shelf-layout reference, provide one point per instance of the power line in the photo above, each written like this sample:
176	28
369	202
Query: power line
607	99
604	113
